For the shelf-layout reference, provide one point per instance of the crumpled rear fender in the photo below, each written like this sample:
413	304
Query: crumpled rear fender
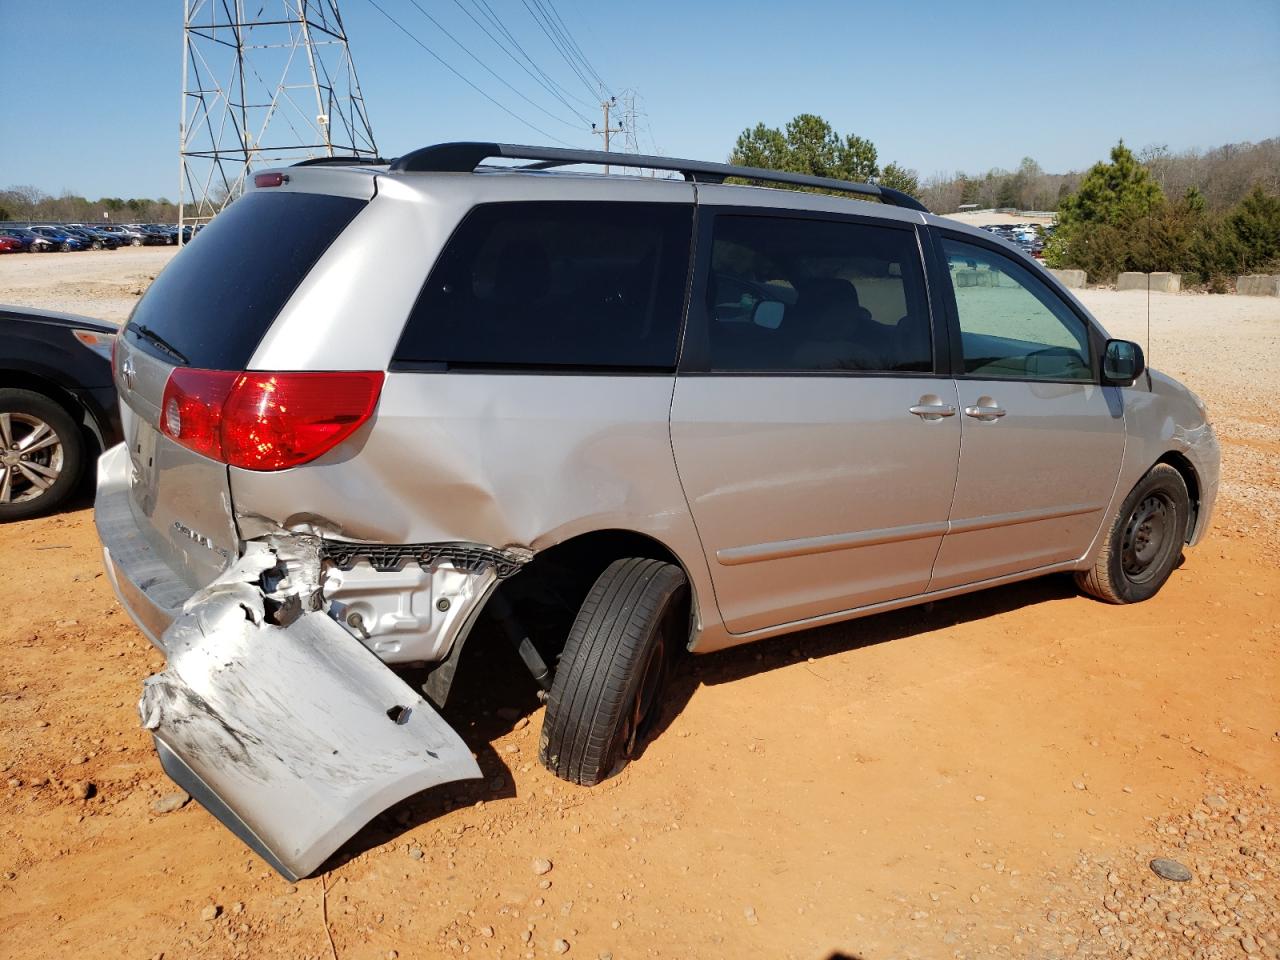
293	736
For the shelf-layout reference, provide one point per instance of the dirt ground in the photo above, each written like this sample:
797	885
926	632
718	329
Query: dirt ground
984	776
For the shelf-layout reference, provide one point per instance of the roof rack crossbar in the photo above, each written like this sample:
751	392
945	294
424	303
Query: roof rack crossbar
465	157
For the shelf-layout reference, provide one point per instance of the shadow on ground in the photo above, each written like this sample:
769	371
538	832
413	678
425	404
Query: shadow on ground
493	690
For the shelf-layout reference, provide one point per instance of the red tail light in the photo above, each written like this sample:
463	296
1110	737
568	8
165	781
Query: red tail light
265	421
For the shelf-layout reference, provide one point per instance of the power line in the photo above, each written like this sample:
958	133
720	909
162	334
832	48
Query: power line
573	43
448	66
494	73
545	84
492	17
555	42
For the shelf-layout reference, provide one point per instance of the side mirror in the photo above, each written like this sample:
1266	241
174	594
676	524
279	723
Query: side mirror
1122	363
768	314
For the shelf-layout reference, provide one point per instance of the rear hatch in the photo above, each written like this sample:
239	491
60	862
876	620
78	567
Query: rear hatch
207	311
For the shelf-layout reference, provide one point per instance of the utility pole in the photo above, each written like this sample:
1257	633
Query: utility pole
266	86
608	131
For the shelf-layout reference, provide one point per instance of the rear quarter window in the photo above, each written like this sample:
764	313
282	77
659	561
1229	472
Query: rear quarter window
555	285
220	295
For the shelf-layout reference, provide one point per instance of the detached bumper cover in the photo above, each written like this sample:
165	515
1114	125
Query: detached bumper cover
293	735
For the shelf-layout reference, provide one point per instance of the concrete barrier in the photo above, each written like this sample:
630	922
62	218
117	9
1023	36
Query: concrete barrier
1160	282
1071	278
975	278
1258	285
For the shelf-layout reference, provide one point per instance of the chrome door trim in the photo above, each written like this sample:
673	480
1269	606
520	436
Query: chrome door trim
781	549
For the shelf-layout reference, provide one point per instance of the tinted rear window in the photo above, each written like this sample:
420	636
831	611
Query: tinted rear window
217	298
816	295
569	285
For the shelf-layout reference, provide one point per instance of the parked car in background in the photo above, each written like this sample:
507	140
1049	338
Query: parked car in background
108	240
32	242
65	240
11	244
127	235
58	406
620	418
95	240
154	233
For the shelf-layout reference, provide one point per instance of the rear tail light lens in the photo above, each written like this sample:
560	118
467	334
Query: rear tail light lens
266	421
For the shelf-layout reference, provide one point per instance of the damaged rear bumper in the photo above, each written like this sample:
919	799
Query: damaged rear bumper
293	736
148	588
278	720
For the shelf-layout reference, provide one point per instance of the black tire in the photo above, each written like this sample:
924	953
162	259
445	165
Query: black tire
66	246
1144	542
136	242
28	404
609	681
97	245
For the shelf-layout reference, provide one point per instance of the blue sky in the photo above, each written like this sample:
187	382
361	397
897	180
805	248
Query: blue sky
937	86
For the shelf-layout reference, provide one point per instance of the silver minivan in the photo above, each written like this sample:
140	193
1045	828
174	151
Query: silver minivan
611	418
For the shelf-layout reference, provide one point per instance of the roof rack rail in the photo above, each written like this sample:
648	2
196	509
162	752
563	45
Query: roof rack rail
465	157
341	161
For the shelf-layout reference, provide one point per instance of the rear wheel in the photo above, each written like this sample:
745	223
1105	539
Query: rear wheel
136	242
1144	542
66	246
611	675
41	454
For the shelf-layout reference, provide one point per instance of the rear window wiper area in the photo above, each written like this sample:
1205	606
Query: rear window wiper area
153	338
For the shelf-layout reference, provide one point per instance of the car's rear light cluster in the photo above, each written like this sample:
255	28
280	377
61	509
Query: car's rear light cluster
266	421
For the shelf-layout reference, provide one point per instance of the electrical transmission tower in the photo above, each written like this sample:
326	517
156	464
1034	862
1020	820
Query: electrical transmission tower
268	86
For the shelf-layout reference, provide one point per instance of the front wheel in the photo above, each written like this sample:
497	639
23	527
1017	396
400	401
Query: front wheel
66	247
136	242
609	681
1144	542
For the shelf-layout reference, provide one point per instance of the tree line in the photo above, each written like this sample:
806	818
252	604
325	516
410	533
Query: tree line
1223	176
1122	218
31	203
1210	215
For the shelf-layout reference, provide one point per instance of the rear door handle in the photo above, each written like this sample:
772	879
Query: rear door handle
984	412
933	411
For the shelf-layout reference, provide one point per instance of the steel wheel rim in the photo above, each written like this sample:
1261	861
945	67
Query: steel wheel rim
1147	535
31	457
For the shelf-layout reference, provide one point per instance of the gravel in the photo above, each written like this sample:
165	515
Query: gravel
1162	867
1227	907
171	802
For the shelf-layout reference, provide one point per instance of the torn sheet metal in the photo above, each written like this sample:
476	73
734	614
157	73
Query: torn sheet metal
293	736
